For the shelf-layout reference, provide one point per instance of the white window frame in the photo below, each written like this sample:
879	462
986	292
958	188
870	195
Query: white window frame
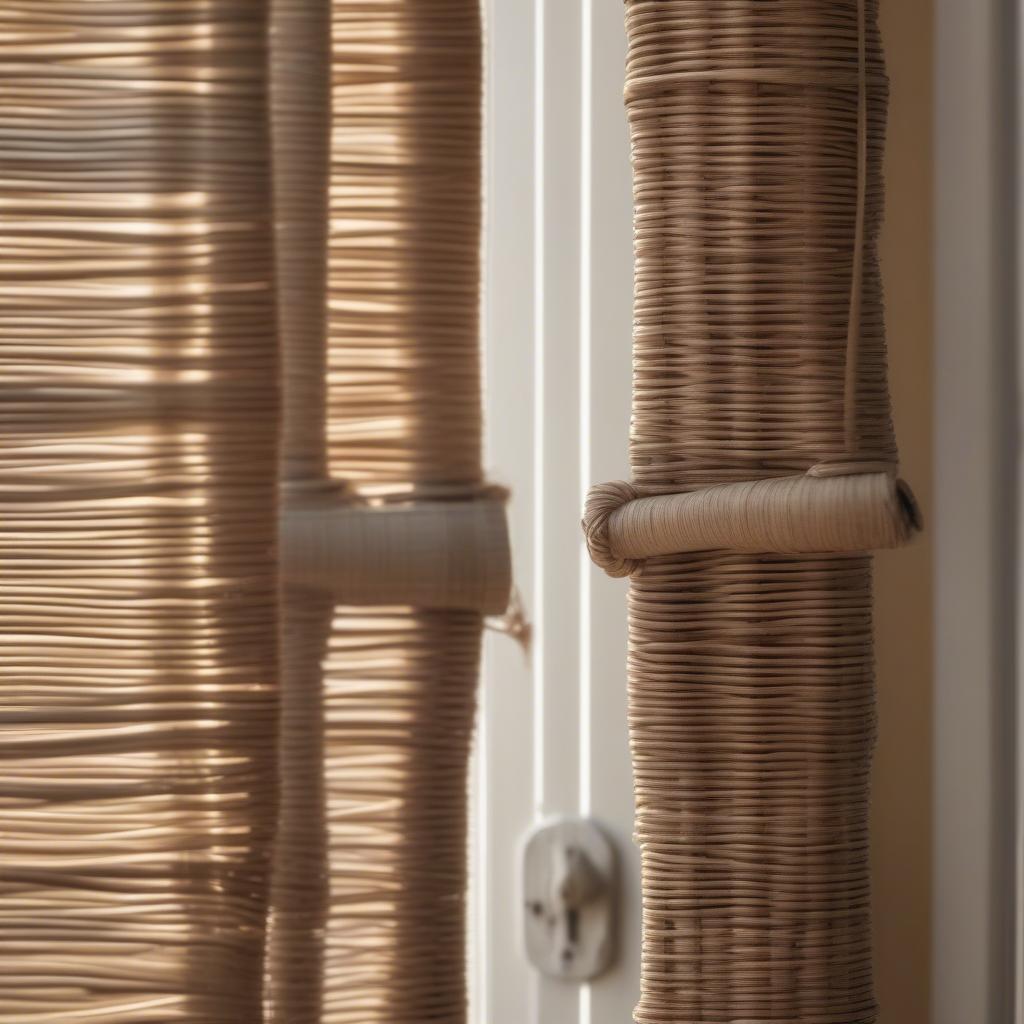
558	297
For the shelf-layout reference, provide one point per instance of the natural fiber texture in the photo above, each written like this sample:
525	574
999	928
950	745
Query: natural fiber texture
757	134
404	422
787	515
404	368
138	648
139	605
744	132
377	709
400	704
437	554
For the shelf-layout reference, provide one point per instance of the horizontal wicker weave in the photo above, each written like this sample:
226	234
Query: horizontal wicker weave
138	605
175	264
377	173
757	133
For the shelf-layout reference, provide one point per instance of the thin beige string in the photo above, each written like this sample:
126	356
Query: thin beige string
857	275
756	136
138	437
514	623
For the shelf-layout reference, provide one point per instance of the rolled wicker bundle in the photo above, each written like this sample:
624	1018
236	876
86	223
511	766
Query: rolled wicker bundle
757	133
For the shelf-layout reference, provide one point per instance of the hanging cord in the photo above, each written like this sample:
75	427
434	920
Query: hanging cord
853	330
514	623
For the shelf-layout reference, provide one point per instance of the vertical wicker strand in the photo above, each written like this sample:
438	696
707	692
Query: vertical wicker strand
857	274
300	108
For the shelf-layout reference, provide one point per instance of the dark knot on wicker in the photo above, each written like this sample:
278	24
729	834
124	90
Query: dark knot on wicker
603	501
812	513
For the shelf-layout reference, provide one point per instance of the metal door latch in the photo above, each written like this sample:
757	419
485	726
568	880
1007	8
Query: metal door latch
569	888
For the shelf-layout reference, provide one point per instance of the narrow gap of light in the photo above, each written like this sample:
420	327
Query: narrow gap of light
479	947
538	406
585	1002
586	397
478	950
586	422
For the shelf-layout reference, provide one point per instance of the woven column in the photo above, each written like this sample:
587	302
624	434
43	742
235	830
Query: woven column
392	545
763	469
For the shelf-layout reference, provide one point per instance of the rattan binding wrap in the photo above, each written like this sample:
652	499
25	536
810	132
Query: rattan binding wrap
757	134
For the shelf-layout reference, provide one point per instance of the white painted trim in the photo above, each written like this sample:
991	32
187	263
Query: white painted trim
502	992
974	809
606	296
558	257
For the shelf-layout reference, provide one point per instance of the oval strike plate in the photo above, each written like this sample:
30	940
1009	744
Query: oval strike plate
569	891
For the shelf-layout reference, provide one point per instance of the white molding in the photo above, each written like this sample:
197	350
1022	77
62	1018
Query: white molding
974	811
557	354
502	991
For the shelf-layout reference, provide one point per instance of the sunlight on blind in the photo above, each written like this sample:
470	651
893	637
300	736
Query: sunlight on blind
137	592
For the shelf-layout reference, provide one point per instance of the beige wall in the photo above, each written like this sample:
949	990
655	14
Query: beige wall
902	783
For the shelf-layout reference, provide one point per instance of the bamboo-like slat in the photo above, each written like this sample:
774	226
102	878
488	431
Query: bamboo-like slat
404	424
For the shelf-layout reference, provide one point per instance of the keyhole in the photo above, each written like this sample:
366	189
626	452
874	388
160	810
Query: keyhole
573	926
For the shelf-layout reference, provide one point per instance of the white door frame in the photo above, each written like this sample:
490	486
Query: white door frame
976	895
557	353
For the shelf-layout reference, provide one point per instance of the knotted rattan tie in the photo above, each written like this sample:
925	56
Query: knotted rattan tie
787	515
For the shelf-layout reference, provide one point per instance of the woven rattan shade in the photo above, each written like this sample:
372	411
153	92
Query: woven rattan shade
379	699
403	422
759	352
138	434
226	796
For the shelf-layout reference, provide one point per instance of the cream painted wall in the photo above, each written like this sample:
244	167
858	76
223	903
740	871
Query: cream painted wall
901	813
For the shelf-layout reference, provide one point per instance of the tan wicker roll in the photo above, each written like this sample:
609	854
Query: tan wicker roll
788	515
759	353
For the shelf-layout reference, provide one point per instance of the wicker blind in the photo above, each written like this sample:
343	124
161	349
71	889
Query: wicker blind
764	470
239	643
138	436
